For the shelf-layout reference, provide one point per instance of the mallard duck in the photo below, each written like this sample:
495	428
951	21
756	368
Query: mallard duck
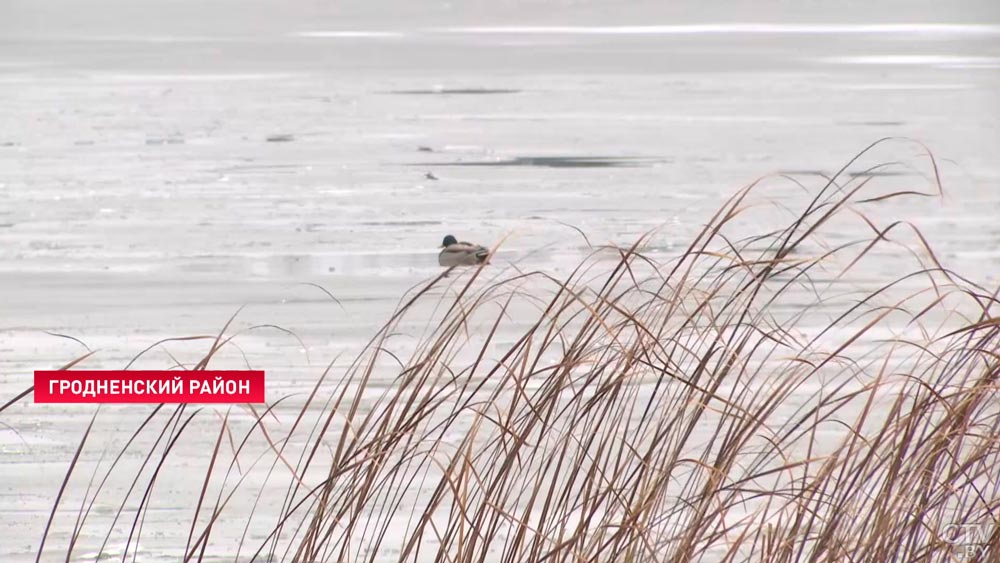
454	253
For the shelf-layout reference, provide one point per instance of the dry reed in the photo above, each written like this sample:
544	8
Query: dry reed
741	402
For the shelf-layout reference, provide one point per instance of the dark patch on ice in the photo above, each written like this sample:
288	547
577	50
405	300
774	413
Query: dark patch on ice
851	174
455	91
165	141
803	172
281	138
255	168
8	144
875	123
424	149
558	162
399	223
263	167
581	210
875	173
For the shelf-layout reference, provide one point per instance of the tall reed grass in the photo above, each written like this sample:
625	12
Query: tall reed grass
750	398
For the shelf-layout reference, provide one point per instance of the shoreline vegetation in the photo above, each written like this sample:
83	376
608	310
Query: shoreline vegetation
740	400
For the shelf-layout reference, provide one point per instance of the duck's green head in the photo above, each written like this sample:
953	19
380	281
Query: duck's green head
449	240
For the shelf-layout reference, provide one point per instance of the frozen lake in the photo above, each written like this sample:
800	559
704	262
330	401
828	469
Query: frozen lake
151	183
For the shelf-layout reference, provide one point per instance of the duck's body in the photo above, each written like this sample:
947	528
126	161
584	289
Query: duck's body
455	253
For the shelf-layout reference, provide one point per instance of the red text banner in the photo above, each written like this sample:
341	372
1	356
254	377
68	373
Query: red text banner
104	386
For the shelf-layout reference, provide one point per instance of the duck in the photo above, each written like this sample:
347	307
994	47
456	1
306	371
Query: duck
454	253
